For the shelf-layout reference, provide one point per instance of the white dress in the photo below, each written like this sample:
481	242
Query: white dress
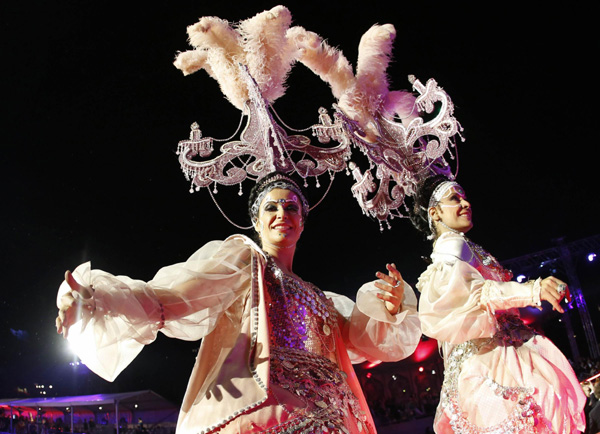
246	379
500	377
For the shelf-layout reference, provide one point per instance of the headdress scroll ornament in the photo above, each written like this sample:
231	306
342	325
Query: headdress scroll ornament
251	61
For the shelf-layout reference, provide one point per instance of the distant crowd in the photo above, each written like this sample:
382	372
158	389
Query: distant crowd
26	425
386	410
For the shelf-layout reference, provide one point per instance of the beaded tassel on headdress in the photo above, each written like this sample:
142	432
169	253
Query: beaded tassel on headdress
251	61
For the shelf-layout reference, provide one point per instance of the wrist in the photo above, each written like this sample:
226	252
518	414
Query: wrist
536	292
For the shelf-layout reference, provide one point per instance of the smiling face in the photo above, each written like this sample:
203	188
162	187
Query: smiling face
280	222
453	212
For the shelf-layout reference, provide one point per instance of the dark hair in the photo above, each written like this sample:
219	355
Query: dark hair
419	211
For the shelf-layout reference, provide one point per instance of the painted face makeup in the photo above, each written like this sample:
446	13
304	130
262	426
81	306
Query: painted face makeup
280	222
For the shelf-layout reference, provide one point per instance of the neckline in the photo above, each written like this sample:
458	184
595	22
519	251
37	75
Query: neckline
292	275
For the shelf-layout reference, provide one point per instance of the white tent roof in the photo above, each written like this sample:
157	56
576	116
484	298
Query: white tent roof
145	399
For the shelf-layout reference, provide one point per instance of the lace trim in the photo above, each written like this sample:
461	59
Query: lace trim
489	292
253	340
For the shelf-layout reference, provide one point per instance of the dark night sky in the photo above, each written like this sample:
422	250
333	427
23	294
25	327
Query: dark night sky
93	110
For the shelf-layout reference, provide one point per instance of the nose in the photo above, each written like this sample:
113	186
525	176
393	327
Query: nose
281	212
464	203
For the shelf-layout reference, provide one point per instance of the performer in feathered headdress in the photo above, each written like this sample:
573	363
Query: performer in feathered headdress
500	376
276	351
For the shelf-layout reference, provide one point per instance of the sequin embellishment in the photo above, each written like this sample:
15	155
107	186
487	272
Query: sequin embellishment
301	316
303	359
526	418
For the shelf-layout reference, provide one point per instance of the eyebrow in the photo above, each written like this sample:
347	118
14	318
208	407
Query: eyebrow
281	201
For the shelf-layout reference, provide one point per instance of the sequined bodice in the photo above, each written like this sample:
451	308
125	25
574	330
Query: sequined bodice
303	330
300	315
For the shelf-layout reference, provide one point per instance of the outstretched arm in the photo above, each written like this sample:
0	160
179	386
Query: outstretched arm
506	295
108	319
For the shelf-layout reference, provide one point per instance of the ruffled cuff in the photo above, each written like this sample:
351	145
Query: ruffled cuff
507	295
536	293
112	327
375	334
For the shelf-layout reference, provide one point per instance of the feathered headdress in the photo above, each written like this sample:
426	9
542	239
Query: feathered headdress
251	61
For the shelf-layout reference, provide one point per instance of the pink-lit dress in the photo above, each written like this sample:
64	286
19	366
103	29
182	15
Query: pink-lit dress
276	351
500	376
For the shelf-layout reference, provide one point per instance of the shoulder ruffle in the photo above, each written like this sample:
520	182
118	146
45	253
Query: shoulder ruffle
428	274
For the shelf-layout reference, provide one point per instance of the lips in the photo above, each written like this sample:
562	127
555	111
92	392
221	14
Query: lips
282	227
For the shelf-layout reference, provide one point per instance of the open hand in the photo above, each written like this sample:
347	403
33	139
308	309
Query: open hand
71	304
393	289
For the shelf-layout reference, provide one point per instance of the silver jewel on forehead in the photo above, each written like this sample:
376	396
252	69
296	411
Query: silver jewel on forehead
293	199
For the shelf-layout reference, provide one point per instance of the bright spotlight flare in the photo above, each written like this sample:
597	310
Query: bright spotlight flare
85	306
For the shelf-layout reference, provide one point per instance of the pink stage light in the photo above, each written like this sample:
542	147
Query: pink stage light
372	364
425	350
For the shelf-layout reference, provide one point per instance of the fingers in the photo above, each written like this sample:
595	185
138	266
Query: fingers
386	287
392	303
58	325
557	287
78	290
392	291
70	304
72	282
60	321
394	272
66	301
552	294
392	278
554	302
386	278
61	328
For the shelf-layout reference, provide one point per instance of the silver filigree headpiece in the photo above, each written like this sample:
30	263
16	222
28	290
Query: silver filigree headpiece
404	137
440	191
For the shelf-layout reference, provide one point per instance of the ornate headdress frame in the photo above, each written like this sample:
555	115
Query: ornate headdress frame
251	60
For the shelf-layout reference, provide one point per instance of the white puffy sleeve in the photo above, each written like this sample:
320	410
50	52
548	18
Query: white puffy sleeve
457	304
183	301
371	332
